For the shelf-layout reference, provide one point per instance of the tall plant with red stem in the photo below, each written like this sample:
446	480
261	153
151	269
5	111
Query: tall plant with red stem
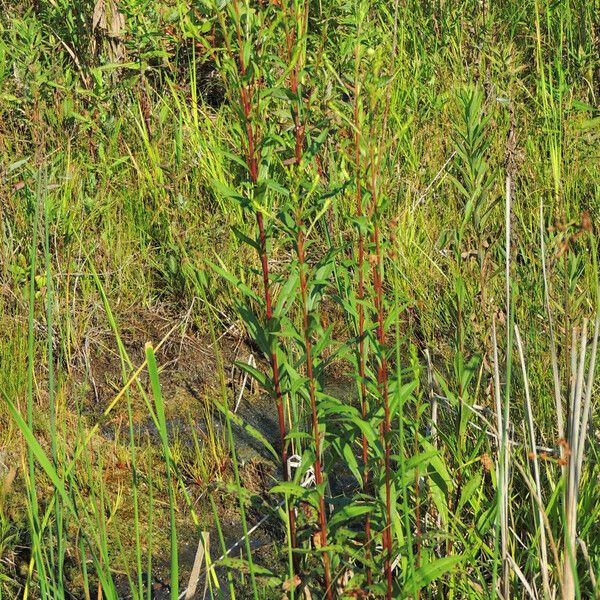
378	278
362	358
306	329
297	16
294	34
248	88
382	383
298	19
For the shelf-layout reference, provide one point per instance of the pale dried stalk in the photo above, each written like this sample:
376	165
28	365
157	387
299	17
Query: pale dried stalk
578	419
586	555
502	464
252	363
504	446
433	401
553	356
569	540
536	468
588	399
552	543
201	551
515	567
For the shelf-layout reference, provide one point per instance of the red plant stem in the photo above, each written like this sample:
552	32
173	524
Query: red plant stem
385	426
382	383
252	160
313	401
361	315
298	128
290	39
275	369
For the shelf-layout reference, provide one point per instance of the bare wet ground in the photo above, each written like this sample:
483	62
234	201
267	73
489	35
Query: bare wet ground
190	383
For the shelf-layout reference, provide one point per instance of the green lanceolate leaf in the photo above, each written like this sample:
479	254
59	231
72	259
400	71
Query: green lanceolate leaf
429	573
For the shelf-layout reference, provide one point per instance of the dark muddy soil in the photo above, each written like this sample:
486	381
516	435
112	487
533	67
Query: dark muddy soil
190	380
